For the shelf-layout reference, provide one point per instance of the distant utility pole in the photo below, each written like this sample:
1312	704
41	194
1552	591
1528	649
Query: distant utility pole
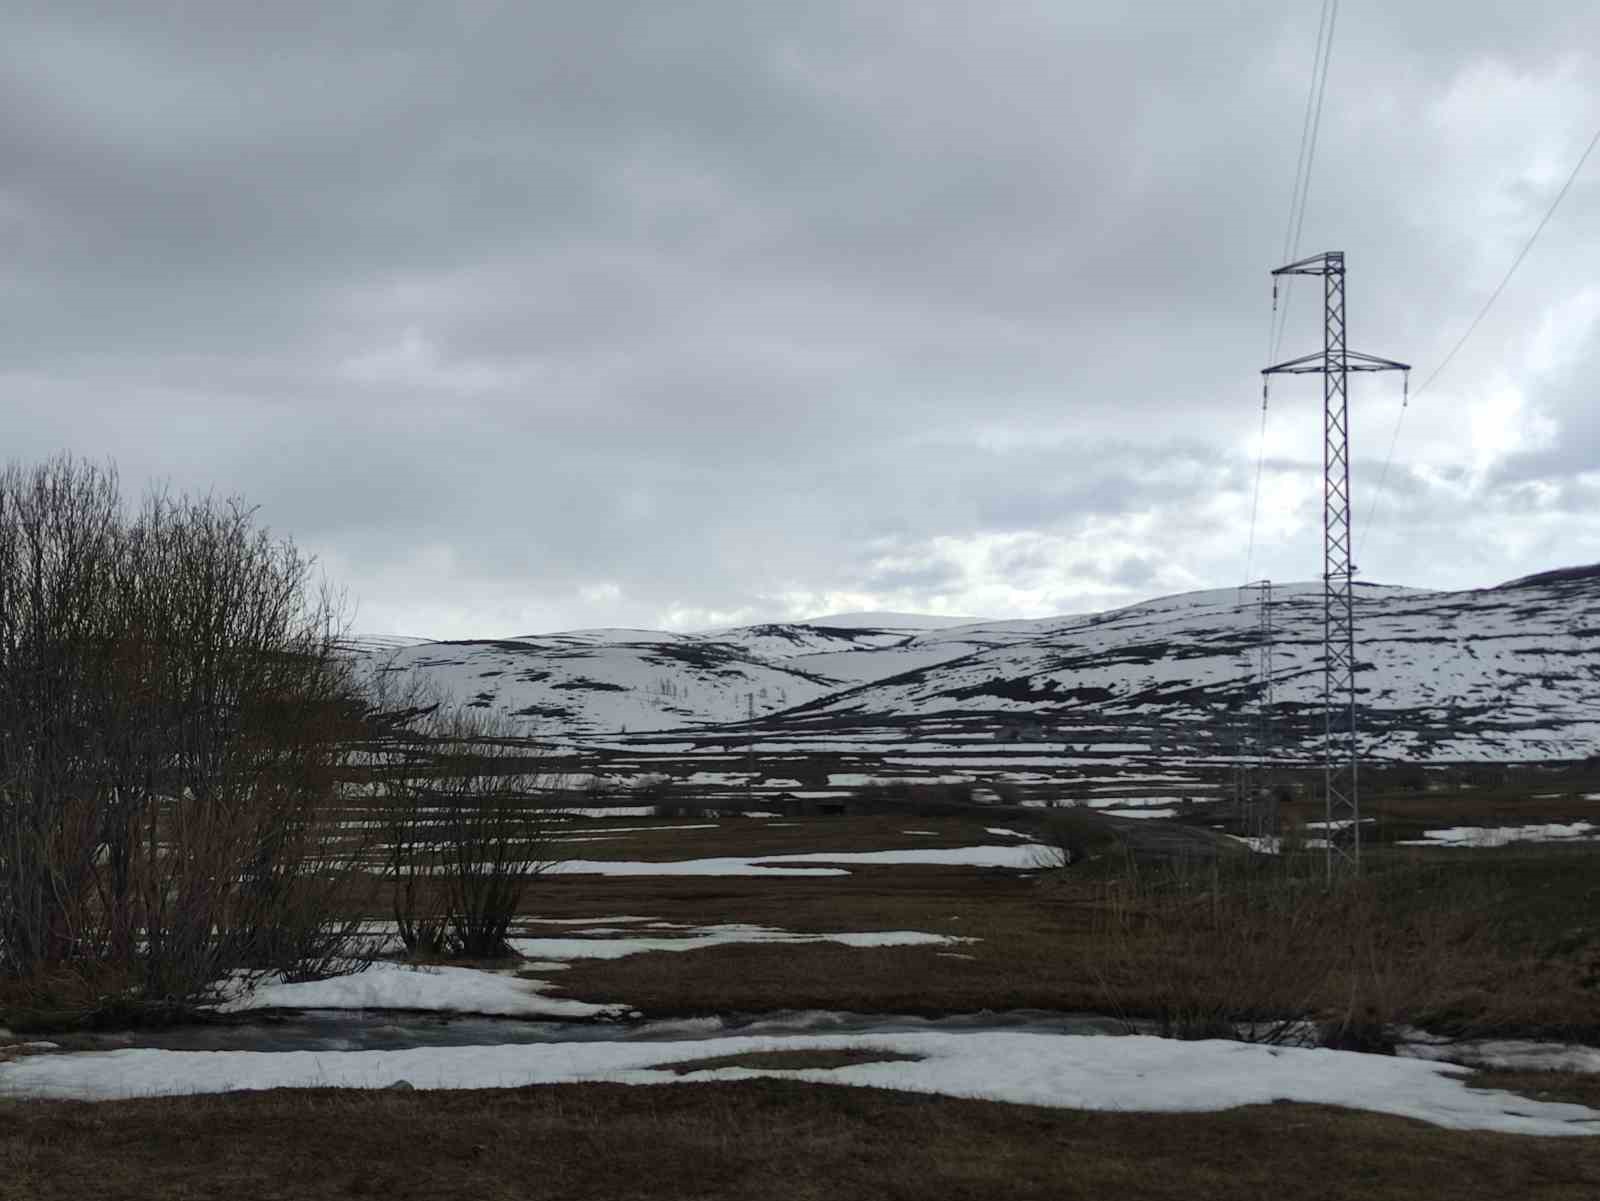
750	747
1264	815
1334	363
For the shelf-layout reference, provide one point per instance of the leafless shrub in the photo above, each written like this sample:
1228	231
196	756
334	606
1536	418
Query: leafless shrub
174	720
466	821
1075	835
497	831
406	720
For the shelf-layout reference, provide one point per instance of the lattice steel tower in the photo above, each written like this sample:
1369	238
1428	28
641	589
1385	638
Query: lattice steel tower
1334	363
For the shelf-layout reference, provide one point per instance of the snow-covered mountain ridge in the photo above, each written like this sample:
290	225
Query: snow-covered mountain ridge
1511	672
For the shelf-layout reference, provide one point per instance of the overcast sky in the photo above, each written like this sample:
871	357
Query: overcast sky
543	315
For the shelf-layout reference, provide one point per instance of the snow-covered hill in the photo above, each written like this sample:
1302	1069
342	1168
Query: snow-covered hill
571	685
1502	673
1511	672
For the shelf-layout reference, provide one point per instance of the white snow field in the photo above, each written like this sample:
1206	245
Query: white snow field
1133	1073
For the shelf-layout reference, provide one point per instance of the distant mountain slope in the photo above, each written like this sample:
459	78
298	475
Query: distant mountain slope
1483	674
1560	575
1509	672
886	620
568	687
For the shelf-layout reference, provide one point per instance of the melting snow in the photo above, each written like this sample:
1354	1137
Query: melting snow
1499	836
714	936
1066	1071
1019	857
401	986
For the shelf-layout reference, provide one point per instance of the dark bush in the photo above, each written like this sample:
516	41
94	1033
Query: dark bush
175	715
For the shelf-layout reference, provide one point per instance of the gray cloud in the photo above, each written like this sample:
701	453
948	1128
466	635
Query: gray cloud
524	314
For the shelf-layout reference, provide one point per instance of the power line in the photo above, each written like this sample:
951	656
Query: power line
1501	287
1305	130
1383	478
1310	129
1310	123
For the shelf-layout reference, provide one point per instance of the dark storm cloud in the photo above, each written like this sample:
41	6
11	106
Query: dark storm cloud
564	314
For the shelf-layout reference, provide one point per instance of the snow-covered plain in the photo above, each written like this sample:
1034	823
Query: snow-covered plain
1065	1071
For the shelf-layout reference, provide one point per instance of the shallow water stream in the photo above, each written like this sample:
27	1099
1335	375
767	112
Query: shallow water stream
379	1030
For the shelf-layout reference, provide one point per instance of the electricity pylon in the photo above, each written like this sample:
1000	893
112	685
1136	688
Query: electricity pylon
1334	363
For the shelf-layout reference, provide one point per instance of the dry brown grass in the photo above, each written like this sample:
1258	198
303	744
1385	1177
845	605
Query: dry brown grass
1493	942
1018	961
1276	944
651	839
790	1061
1579	1088
770	1139
1525	798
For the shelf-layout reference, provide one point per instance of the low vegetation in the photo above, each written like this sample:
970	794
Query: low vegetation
766	1138
1268	949
174	715
1472	944
460	805
180	732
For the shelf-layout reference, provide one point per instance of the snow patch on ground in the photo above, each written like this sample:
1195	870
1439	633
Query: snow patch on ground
576	835
402	986
686	867
714	936
612	811
1134	1073
1153	813
1499	836
585	921
1022	858
1517	1055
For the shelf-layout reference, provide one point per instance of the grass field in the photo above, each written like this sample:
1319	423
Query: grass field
758	1139
1471	942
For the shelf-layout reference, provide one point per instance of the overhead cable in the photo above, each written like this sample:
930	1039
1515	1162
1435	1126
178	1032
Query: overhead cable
1372	507
1310	123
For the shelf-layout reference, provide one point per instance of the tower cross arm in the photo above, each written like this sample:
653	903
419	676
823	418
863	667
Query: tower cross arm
1317	264
1371	362
1316	362
1306	364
